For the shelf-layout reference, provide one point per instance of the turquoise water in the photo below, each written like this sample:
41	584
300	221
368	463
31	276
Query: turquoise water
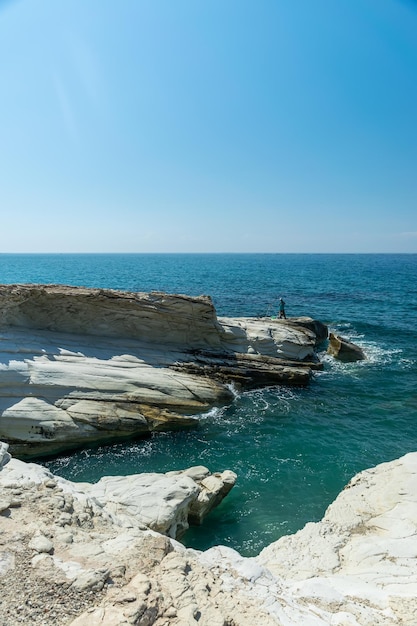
293	449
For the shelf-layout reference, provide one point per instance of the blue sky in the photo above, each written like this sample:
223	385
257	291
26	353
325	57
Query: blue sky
208	126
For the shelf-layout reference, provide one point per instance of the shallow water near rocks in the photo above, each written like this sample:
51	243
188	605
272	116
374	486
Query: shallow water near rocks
292	449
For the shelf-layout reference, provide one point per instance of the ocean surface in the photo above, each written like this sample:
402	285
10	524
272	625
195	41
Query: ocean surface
292	449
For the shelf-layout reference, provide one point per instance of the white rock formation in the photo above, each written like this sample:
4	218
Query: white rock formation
161	502
81	555
290	339
86	365
361	559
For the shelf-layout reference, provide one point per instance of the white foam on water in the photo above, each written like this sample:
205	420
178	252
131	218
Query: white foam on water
232	387
407	363
250	407
212	413
262	401
375	354
144	447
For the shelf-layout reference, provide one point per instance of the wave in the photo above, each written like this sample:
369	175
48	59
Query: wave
376	353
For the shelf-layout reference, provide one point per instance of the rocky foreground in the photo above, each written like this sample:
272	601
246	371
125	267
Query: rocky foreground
81	366
86	555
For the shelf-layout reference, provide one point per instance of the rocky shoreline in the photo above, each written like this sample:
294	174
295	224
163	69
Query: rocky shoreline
82	366
74	556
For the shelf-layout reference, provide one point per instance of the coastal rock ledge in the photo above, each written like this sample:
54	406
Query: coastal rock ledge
73	554
81	365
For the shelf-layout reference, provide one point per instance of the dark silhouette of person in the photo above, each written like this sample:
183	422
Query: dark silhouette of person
281	311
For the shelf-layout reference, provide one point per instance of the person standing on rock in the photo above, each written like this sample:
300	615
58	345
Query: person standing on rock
281	311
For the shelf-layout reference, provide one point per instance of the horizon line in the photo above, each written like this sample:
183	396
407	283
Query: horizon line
197	253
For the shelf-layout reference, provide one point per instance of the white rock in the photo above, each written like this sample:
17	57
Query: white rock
82	365
7	562
357	567
40	543
4	454
364	548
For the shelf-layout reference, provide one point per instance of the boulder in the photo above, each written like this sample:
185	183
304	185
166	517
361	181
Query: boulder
344	350
213	488
163	502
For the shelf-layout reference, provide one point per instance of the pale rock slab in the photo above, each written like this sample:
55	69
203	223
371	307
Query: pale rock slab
161	502
274	338
81	366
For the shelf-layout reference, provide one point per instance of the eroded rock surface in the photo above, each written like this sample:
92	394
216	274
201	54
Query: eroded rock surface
69	556
360	560
85	365
344	350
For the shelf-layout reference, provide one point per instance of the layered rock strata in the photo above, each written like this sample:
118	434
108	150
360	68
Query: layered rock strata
83	365
70	558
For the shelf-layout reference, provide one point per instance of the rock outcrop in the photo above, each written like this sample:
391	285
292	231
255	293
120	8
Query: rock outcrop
75	556
360	560
83	365
344	350
161	502
165	503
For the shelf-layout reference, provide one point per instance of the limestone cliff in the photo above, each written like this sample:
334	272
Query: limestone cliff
156	318
82	365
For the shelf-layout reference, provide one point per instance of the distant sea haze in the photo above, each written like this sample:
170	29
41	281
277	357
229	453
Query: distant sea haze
293	449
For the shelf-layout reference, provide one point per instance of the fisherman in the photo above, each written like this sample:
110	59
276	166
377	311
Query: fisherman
281	310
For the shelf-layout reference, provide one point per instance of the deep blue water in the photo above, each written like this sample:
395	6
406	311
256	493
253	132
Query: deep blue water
293	449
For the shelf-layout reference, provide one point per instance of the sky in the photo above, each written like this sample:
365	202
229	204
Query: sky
208	126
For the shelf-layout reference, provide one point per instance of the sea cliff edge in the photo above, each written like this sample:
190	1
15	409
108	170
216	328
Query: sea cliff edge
85	555
82	366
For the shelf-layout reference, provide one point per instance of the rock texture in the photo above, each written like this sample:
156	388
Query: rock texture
344	350
163	502
79	555
359	562
85	365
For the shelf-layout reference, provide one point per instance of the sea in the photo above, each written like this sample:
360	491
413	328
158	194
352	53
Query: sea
293	449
